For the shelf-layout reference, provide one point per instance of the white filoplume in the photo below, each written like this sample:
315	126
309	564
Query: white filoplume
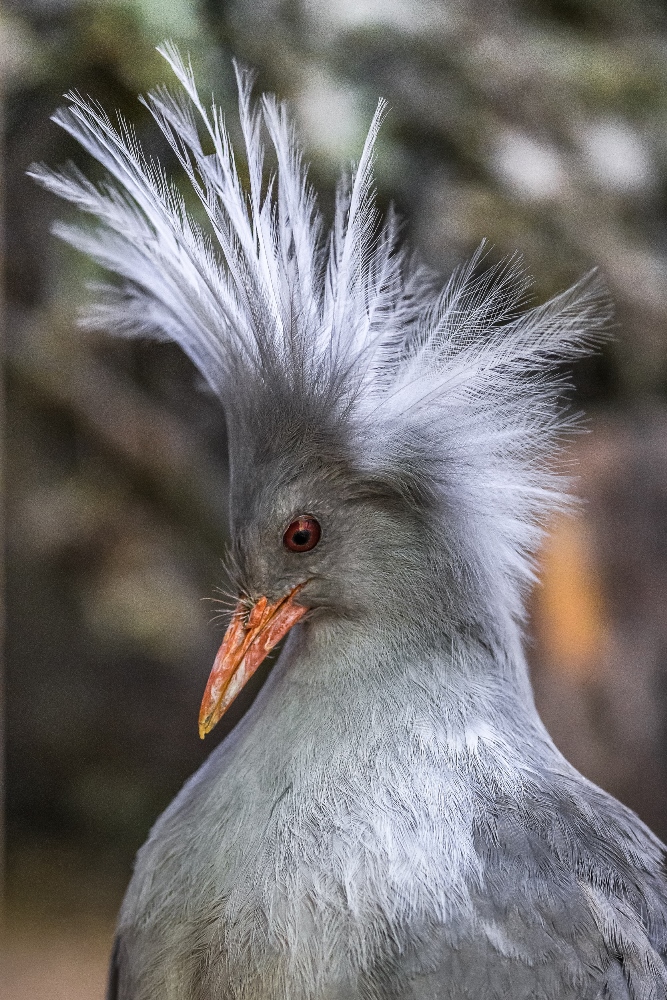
390	819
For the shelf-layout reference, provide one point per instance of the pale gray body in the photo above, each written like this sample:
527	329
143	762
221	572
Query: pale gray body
390	820
434	845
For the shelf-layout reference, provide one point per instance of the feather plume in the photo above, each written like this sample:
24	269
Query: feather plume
463	383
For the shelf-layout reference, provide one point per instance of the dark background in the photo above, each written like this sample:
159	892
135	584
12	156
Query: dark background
541	126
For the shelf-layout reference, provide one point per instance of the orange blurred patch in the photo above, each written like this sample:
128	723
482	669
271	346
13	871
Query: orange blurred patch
569	613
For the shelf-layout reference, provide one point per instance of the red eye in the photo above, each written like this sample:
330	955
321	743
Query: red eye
302	534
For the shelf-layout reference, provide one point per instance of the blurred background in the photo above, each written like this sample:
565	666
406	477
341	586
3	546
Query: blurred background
538	124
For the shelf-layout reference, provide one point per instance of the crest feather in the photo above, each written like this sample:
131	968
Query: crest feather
462	383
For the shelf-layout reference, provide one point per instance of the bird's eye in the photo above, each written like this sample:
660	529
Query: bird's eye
302	534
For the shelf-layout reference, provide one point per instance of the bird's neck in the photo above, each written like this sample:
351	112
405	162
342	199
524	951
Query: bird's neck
411	675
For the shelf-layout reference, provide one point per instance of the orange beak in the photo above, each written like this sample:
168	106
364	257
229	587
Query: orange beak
247	642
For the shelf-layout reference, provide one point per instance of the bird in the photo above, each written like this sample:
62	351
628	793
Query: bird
390	820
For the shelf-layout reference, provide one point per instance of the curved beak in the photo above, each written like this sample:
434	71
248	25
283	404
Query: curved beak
247	641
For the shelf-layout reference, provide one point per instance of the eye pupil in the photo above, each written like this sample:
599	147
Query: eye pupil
302	534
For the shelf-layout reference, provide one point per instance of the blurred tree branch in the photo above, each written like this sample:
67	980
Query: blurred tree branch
157	447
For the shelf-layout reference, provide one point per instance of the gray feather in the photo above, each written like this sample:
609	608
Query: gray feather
391	820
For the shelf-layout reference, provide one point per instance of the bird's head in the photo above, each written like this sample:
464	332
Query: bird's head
389	439
314	534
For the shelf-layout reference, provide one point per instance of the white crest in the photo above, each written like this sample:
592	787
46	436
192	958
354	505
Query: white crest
463	379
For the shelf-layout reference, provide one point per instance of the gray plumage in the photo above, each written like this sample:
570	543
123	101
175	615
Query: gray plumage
391	819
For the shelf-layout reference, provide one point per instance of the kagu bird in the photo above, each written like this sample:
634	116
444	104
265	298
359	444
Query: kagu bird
390	819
